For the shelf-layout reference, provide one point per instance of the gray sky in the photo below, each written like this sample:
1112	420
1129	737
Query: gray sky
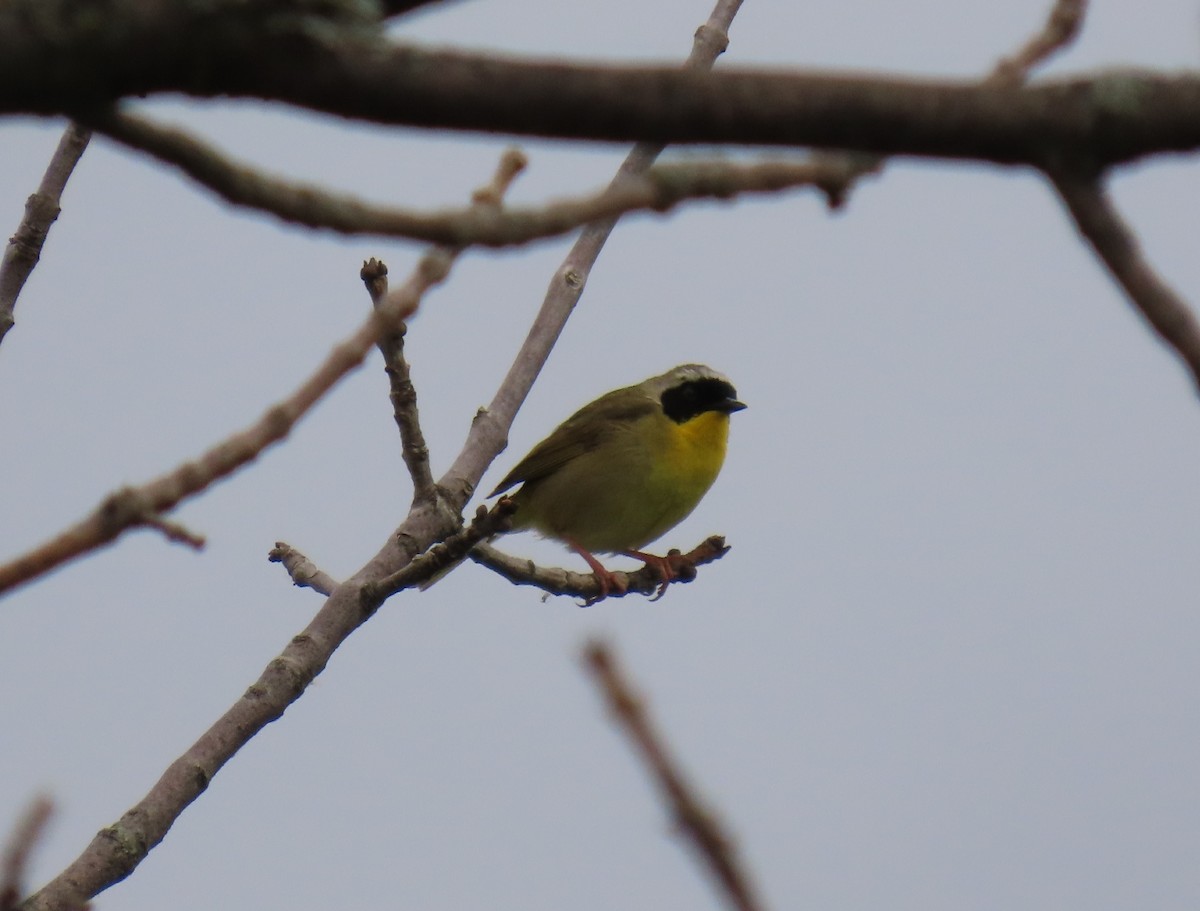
949	662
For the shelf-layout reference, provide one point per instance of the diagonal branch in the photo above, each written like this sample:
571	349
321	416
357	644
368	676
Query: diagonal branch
41	209
133	507
15	859
1115	244
695	820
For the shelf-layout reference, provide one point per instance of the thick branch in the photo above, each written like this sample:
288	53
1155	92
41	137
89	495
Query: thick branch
55	60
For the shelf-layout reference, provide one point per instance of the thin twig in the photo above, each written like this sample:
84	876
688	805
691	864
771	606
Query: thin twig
1061	28
403	394
660	189
41	209
1117	247
555	581
20	845
695	820
304	572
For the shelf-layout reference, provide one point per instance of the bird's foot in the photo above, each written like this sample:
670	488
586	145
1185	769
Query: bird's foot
669	568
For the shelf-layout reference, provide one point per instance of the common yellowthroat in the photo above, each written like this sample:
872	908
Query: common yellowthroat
627	468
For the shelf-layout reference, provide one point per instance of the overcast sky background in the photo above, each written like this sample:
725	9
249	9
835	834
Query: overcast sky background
949	663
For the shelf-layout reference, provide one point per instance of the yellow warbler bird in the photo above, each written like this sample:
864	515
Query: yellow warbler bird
627	468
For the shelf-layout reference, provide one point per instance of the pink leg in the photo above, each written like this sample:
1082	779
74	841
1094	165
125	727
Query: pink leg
606	580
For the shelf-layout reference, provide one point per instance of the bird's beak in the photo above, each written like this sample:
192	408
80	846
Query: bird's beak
729	406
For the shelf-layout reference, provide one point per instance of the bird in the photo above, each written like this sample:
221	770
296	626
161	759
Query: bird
626	468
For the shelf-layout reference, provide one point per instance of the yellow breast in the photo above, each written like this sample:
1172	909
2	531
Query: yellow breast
632	489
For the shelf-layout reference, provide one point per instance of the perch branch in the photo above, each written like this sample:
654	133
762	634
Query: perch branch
442	556
645	581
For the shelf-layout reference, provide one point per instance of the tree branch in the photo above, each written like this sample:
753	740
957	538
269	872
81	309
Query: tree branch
661	189
41	209
16	854
55	60
554	581
1117	247
1061	28
694	819
391	344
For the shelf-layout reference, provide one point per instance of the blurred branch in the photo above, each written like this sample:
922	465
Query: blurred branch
117	850
41	209
1115	244
695	820
304	573
404	7
1061	28
21	843
645	581
322	57
661	189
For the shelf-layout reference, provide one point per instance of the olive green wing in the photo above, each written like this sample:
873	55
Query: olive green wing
582	432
